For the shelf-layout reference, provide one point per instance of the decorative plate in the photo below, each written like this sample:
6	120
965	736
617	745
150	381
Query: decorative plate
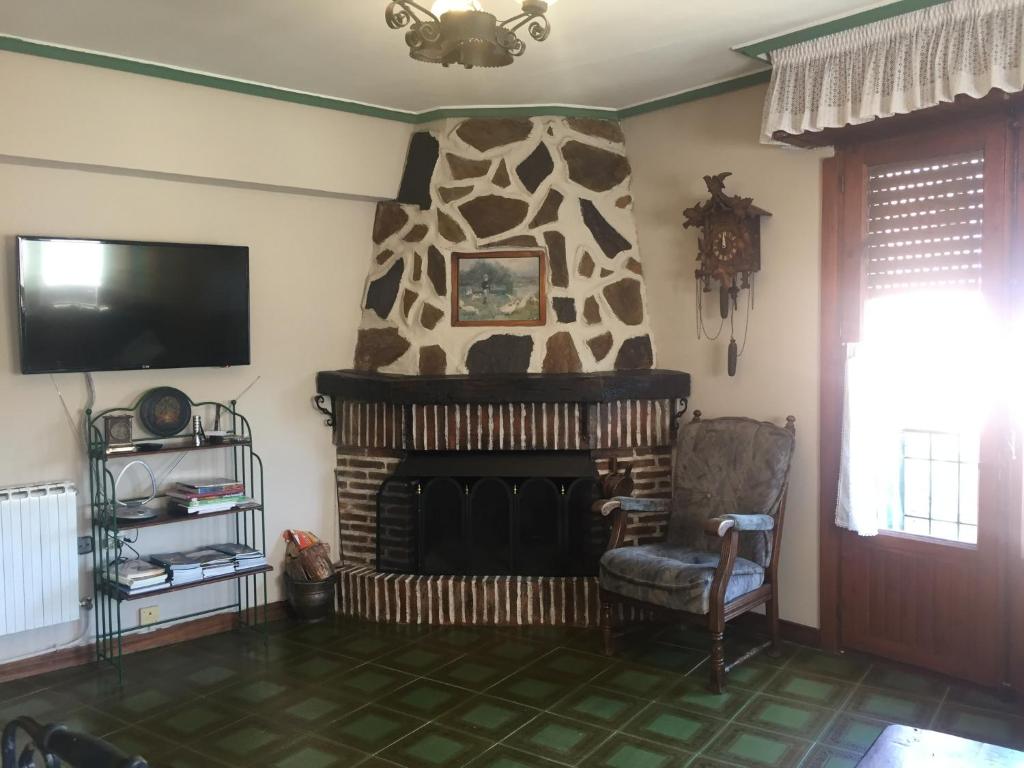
165	411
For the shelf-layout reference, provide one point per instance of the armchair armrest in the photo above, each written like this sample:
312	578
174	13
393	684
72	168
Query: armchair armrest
629	504
618	508
717	526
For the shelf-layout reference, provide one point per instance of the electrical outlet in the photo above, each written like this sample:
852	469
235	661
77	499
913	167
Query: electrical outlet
84	545
150	615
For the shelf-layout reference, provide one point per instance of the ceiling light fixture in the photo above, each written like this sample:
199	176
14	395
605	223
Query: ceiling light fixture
461	32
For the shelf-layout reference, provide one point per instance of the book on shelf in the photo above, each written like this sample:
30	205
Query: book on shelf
130	591
220	504
135	576
221	485
218	570
244	556
209	557
131	571
186	498
186	576
214	563
175	561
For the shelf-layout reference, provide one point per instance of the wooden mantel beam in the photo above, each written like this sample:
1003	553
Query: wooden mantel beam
360	386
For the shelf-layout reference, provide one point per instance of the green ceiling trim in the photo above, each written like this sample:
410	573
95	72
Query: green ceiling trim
762	48
17	45
520	111
132	66
716	89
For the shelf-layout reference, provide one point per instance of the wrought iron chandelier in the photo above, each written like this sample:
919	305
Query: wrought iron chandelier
460	32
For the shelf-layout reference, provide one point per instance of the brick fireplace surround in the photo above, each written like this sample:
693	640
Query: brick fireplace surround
379	418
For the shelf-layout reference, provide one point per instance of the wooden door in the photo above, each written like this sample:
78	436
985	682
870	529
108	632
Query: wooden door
923	226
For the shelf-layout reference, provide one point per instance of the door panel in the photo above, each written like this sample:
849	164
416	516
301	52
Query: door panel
920	603
924	600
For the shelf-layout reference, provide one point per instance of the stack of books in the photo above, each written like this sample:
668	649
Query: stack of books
181	568
244	557
204	496
212	562
135	577
198	564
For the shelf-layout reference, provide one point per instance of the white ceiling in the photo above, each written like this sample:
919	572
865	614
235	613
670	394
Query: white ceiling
602	53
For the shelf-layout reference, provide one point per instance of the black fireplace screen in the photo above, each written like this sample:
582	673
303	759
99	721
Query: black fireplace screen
491	514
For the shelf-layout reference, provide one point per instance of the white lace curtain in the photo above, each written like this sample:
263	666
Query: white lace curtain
910	62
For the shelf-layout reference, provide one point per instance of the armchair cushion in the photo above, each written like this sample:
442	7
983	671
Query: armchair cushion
673	576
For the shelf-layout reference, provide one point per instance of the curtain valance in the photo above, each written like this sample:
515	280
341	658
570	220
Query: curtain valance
910	62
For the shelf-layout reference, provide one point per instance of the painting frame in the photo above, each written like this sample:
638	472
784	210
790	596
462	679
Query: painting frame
460	258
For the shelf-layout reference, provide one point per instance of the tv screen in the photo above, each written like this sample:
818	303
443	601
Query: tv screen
109	305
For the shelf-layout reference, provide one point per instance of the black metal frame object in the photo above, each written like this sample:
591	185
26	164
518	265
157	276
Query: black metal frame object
57	746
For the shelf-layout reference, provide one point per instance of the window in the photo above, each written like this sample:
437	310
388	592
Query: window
939	486
919	394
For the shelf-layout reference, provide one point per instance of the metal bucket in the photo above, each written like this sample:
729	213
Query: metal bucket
311	601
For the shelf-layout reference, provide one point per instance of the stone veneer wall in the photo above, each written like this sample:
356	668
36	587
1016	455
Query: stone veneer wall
561	184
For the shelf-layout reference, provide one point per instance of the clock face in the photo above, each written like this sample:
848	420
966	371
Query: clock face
726	243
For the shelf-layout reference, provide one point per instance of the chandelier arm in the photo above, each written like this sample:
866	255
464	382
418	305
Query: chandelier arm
524	16
401	13
539	28
539	20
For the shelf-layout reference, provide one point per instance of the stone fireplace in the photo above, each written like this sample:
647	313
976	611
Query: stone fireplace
468	454
561	185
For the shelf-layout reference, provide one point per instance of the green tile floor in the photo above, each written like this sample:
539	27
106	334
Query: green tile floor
355	694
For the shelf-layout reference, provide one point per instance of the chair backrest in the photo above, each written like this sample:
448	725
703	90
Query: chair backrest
729	466
56	745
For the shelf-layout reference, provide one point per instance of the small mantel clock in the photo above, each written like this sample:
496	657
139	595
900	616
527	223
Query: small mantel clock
728	249
118	433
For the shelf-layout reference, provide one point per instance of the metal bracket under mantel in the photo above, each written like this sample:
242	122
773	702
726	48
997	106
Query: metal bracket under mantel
318	403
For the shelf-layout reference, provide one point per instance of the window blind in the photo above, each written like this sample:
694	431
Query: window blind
925	221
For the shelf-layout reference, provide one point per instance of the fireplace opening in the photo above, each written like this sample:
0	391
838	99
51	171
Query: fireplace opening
491	514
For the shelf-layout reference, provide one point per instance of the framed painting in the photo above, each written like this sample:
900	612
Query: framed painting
499	288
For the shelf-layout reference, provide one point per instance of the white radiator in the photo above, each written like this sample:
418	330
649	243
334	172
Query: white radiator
38	556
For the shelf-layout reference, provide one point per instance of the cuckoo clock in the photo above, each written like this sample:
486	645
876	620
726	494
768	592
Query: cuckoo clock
729	252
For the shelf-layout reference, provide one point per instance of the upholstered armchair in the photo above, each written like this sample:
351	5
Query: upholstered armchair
721	552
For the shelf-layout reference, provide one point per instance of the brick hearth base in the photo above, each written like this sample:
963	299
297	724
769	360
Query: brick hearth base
510	600
482	600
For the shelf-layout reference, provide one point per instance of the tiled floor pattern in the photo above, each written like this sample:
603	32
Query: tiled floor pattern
355	694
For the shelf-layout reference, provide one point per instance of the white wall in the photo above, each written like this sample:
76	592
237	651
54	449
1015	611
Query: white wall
307	263
671	151
63	112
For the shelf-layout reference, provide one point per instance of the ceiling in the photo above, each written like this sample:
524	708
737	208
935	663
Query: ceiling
609	54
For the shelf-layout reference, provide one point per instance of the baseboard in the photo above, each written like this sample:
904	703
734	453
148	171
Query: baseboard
139	641
801	634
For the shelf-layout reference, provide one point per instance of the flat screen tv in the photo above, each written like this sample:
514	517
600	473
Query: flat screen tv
112	305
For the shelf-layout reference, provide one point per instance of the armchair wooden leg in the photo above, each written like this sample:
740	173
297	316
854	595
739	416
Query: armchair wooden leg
718	662
608	627
775	649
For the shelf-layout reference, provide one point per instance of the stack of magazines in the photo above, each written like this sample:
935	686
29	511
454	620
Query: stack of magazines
206	563
203	496
135	577
181	568
244	557
213	563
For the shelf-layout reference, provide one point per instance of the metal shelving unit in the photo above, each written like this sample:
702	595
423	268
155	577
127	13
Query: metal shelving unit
250	527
